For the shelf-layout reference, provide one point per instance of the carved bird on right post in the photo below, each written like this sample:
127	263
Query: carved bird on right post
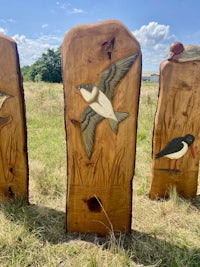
177	148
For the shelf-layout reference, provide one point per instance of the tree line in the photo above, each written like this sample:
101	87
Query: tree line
47	68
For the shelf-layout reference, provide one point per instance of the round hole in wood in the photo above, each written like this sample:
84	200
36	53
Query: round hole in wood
94	204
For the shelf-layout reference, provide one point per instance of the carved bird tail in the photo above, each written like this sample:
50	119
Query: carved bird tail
120	117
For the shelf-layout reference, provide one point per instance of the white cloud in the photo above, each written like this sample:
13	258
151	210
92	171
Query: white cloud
2	30
67	7
154	39
153	33
11	20
31	49
63	4
5	21
44	26
76	11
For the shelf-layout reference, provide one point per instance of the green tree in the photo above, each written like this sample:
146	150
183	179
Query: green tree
26	73
47	68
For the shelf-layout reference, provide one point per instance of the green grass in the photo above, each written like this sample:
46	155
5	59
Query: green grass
164	233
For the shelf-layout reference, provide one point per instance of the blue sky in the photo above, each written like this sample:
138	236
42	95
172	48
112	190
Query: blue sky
37	25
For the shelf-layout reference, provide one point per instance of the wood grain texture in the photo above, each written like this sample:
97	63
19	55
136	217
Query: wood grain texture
177	115
108	174
13	137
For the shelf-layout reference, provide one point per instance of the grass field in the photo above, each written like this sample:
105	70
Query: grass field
165	233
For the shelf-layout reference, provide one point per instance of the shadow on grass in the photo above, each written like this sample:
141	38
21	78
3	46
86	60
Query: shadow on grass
48	225
146	249
196	203
45	223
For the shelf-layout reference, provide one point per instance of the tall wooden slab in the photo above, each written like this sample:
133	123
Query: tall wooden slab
178	115
13	146
100	150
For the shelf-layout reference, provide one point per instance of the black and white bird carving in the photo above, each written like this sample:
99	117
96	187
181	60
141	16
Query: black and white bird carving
177	148
99	98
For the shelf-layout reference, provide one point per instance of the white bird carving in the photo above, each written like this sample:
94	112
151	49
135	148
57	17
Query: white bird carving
99	98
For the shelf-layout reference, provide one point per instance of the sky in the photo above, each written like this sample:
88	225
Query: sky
37	25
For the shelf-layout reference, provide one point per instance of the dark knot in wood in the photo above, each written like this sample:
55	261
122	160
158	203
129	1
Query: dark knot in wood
75	122
94	204
108	47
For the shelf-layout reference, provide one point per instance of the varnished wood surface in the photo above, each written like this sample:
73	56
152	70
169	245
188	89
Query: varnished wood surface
13	140
107	175
178	113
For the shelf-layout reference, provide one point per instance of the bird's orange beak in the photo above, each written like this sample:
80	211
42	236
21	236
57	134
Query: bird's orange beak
192	151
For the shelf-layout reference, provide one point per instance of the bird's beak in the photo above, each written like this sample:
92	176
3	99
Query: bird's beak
170	55
192	151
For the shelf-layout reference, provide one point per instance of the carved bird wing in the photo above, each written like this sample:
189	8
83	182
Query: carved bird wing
173	146
112	75
89	121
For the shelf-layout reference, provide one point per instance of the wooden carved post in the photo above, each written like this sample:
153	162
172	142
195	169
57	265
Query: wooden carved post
176	140
102	73
13	147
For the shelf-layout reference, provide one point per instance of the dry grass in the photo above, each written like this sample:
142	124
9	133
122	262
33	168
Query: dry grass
165	234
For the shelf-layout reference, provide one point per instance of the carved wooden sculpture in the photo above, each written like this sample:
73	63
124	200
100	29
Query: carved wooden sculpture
176	143
101	72
13	147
